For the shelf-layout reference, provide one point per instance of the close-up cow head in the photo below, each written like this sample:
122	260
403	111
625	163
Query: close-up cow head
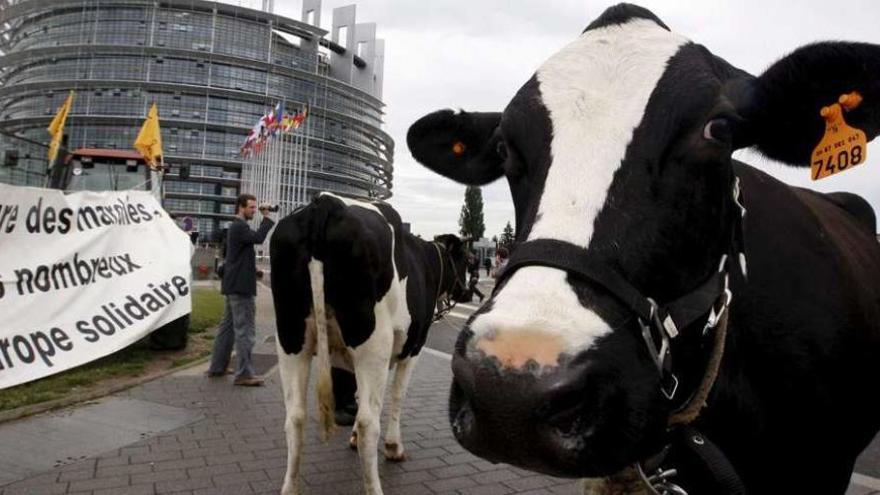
619	146
456	255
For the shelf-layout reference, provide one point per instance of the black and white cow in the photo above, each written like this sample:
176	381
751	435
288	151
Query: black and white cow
351	286
618	156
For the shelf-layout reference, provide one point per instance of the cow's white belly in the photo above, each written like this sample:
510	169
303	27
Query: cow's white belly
401	320
394	304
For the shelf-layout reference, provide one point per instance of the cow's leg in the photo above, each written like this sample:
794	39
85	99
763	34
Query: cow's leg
294	371
353	439
371	372
393	442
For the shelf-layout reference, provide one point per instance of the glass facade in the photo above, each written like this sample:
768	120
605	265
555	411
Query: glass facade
213	69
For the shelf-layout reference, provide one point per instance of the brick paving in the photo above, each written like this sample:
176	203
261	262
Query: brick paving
239	448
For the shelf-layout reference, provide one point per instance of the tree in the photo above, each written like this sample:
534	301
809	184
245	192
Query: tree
470	220
507	236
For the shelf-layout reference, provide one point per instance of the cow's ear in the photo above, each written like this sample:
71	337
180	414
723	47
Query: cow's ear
781	107
451	242
446	239
462	146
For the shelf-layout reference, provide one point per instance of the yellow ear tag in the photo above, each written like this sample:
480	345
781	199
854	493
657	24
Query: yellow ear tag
458	148
843	147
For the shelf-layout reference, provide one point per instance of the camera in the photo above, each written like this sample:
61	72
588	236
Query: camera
268	207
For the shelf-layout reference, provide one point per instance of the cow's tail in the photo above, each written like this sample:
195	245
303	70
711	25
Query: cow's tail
325	380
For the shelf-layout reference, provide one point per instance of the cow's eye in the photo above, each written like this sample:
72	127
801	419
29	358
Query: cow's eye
501	150
718	130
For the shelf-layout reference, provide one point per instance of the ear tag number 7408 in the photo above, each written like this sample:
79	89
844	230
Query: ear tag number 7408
843	147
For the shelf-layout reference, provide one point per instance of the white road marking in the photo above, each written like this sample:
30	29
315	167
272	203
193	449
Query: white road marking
459	314
436	353
470	306
865	481
452	314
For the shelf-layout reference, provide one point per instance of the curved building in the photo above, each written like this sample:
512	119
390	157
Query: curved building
213	69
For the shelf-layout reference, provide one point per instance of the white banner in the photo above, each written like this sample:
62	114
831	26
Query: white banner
83	275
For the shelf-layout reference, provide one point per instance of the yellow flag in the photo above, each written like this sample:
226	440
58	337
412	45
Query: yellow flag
149	140
56	128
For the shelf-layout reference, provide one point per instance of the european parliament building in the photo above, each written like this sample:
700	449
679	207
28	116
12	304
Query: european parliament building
213	69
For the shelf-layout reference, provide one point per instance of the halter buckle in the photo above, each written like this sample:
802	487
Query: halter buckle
661	352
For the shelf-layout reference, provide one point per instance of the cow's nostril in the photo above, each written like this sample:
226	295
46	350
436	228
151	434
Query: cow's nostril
573	419
463	423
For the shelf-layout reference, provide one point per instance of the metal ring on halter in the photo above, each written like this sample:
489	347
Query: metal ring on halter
658	483
715	315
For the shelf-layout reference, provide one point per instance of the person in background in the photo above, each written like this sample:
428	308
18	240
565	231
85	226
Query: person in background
239	285
501	255
474	270
487	264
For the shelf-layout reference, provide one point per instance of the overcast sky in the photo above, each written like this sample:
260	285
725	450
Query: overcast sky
474	55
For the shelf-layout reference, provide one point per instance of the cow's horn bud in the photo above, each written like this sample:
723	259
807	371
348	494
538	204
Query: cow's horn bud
850	101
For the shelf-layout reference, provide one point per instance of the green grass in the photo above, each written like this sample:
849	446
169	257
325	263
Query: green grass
130	362
207	309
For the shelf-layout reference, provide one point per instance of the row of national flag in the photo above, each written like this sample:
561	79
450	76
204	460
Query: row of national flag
275	122
149	139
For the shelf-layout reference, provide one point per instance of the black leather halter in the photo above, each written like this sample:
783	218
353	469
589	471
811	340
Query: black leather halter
659	324
443	305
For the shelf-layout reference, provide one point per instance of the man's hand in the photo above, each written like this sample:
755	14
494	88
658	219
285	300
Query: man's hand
266	209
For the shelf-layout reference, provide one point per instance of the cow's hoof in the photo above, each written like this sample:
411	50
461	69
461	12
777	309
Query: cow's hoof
394	452
353	441
291	488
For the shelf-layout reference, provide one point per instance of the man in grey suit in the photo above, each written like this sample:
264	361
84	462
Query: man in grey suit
239	285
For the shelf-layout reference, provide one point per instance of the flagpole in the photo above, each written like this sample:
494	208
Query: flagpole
156	179
271	169
298	160
276	167
282	203
291	174
294	149
303	158
258	182
308	125
261	170
270	159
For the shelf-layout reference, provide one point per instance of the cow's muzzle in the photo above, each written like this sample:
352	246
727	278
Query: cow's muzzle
544	419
